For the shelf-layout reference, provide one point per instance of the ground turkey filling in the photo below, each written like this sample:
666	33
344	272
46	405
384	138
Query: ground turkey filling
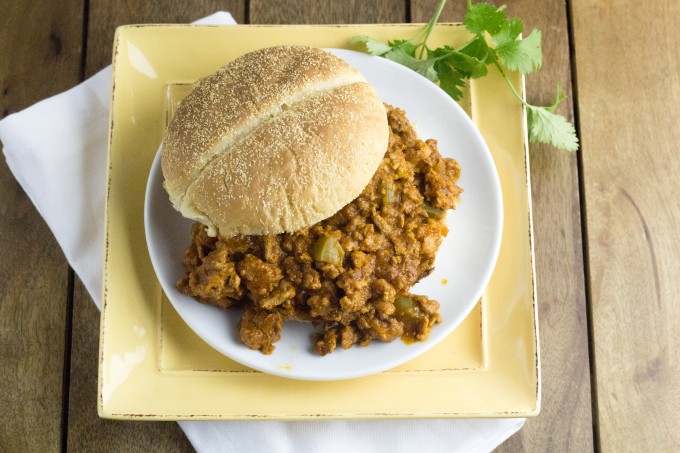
349	274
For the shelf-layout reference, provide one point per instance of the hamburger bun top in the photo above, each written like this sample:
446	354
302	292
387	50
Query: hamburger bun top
275	141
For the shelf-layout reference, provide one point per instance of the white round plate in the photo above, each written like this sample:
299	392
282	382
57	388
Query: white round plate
465	260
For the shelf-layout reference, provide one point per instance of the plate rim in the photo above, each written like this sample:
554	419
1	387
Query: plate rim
443	330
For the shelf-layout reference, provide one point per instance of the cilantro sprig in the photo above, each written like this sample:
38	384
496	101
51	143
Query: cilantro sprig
495	42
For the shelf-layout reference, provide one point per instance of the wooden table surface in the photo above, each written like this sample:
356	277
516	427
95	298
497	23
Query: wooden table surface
606	222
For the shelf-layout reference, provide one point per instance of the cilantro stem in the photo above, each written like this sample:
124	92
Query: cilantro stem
512	87
469	4
430	26
420	32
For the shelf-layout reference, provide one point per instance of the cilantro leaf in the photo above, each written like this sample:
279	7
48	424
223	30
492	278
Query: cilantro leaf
422	67
373	46
479	49
548	127
406	46
522	55
482	17
468	66
450	80
509	32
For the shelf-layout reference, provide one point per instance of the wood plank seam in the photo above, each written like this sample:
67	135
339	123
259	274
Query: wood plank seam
83	42
584	231
66	369
68	324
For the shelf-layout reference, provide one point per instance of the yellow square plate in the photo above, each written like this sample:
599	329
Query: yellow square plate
153	366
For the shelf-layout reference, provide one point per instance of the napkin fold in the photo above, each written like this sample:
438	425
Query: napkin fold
57	149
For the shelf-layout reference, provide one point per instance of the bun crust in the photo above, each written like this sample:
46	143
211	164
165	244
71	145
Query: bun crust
275	141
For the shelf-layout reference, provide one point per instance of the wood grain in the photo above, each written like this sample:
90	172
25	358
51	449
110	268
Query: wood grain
628	71
40	47
558	248
326	12
629	115
87	432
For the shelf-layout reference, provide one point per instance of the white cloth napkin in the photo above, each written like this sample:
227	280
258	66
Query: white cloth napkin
57	151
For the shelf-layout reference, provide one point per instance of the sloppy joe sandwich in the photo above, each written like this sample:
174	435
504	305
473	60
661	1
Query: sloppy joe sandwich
314	201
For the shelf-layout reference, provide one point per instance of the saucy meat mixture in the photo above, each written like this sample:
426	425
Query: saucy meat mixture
350	274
